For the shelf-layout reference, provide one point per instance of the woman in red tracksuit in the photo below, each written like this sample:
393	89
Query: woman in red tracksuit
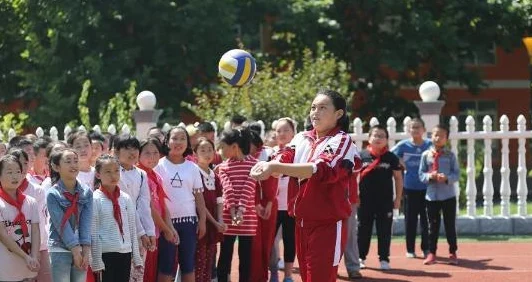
323	159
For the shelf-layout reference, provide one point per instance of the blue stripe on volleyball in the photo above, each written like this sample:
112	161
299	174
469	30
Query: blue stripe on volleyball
241	62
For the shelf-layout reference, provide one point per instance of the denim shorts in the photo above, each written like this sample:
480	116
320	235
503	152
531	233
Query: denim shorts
184	253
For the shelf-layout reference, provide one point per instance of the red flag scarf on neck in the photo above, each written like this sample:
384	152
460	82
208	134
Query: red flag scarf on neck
24	185
378	154
159	189
72	209
20	219
113	196
436	154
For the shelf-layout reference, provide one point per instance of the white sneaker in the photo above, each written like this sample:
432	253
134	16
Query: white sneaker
280	264
411	255
385	265
362	263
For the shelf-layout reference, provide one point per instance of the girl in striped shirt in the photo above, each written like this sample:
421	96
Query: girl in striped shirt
114	233
239	202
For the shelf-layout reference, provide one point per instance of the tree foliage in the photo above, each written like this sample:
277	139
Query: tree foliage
274	92
49	48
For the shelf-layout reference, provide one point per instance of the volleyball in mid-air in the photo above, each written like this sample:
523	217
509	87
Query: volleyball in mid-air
237	67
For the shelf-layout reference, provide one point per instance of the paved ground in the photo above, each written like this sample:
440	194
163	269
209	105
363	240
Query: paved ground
478	261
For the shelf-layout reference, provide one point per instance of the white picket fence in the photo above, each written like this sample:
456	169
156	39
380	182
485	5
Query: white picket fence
471	134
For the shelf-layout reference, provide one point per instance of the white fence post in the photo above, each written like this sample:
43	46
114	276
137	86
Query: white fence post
522	189
357	129
487	188
391	125
471	187
10	134
54	134
454	148
39	132
406	124
66	132
505	168
111	129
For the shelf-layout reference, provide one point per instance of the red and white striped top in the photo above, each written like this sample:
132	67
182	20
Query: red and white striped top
239	191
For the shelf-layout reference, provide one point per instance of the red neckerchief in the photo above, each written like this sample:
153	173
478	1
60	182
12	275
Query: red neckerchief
39	177
116	206
375	163
152	175
23	185
436	154
20	219
71	210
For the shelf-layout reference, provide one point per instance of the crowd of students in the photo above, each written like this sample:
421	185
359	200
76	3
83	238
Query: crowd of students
115	208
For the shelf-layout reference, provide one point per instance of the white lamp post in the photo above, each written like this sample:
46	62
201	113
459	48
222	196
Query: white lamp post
429	106
147	116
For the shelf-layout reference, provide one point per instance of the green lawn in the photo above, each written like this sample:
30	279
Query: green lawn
497	209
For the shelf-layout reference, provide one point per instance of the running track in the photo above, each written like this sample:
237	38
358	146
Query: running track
478	261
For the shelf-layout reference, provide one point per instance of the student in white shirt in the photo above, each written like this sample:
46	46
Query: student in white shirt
80	141
134	182
19	225
114	241
182	184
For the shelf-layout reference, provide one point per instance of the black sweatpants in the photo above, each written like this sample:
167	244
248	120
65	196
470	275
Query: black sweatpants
289	235
414	207
244	257
382	214
434	212
117	267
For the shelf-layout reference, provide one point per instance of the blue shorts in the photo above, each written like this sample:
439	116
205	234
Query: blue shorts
184	253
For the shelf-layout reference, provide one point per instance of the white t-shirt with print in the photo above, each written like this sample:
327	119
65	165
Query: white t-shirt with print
13	267
180	181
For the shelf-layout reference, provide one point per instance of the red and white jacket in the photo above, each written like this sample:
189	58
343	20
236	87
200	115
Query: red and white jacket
325	196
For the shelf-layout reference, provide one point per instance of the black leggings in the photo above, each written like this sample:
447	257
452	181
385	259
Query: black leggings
434	211
289	235
117	267
226	255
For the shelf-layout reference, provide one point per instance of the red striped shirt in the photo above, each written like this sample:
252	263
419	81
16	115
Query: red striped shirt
239	191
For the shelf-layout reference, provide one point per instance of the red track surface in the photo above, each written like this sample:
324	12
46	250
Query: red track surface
478	261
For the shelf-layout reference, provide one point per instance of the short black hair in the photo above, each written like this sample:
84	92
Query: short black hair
96	136
41	143
126	141
379	127
238	119
20	141
72	137
204	127
442	127
154	141
418	120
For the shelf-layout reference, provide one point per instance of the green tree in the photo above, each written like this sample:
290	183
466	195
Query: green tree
166	46
390	44
274	92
